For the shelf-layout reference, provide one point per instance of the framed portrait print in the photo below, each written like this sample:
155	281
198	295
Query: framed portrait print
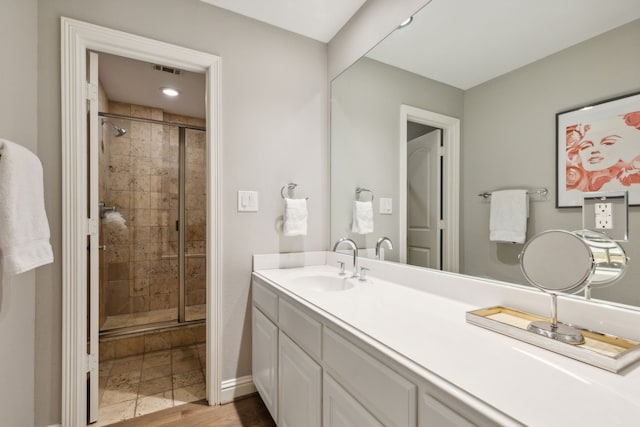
598	150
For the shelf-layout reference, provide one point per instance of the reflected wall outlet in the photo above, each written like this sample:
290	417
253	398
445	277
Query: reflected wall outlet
247	201
607	213
604	219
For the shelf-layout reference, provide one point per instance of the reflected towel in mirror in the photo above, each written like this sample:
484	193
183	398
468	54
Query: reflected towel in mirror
295	217
362	217
508	216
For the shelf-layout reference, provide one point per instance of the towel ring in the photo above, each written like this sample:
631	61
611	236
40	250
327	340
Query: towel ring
360	190
289	187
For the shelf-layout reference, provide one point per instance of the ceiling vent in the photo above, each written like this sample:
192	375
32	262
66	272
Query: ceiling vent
166	69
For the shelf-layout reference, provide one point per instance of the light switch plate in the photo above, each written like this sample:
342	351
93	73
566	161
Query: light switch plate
247	201
386	206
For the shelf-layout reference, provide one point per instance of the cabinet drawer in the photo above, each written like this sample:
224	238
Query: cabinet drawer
340	409
302	329
435	413
265	299
386	394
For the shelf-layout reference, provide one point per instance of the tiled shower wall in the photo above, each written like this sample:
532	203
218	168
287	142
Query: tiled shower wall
141	260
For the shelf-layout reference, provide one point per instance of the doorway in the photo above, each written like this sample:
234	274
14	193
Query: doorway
152	281
81	220
429	147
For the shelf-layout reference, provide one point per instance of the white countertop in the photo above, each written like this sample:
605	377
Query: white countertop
532	385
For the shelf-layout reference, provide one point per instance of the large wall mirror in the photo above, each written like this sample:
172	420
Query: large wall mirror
503	69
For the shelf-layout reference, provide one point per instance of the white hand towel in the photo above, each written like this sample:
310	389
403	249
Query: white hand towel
362	217
508	216
24	229
295	217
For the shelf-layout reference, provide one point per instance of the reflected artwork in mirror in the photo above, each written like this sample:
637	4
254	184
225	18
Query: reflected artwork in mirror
487	65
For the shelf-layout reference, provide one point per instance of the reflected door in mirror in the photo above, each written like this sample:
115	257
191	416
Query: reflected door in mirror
423	193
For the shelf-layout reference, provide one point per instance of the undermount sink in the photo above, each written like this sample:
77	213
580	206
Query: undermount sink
323	283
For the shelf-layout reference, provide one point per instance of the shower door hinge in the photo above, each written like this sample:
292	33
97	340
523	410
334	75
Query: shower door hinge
91	363
91	91
92	227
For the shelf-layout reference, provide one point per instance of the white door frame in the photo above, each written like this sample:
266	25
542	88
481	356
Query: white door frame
76	38
450	186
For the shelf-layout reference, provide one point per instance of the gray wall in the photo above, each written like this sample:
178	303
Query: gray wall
365	126
18	123
510	141
274	130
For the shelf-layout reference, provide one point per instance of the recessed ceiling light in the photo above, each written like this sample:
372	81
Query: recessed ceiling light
406	22
170	91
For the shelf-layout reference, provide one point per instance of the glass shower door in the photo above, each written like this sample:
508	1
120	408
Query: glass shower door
195	223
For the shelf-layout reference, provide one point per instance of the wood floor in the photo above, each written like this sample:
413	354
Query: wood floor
249	411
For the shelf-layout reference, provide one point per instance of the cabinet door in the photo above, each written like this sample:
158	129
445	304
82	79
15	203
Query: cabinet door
340	409
434	413
299	379
265	360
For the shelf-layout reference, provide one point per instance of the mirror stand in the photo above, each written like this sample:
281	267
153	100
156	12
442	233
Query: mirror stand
557	331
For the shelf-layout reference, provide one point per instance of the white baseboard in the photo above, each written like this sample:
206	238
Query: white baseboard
236	387
55	425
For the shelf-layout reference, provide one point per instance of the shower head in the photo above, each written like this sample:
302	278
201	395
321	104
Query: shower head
118	130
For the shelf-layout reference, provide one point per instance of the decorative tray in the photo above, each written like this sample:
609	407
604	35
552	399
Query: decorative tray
602	350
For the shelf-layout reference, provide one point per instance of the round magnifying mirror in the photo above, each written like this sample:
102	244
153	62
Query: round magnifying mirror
609	258
557	261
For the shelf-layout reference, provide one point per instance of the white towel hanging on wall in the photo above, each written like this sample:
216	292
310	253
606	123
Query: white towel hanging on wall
24	229
295	217
508	216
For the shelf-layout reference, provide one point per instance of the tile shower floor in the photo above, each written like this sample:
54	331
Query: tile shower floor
139	385
192	312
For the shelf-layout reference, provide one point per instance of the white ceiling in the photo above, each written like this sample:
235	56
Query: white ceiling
458	42
136	82
317	19
466	42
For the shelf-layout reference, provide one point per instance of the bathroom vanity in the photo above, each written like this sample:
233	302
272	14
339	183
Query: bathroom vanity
396	350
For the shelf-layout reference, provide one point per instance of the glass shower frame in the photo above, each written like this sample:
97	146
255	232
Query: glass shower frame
187	136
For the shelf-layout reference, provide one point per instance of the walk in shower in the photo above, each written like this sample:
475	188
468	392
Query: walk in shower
152	187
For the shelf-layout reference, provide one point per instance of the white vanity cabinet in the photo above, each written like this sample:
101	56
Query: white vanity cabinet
311	372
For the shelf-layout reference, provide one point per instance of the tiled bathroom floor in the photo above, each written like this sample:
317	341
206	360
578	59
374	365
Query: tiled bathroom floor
139	385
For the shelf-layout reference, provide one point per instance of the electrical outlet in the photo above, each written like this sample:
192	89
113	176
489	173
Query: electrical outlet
603	216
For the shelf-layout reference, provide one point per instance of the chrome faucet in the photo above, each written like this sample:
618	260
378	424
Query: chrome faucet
380	242
355	252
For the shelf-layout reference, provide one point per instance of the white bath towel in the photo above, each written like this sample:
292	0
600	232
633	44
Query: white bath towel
508	219
362	217
295	217
24	229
